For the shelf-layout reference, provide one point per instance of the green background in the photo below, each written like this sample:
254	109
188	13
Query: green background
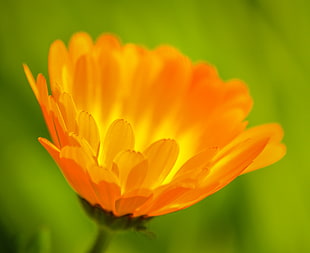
263	42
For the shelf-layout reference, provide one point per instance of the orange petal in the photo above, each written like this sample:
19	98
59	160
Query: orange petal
119	137
230	163
161	157
168	87
40	90
58	58
193	166
109	73
80	44
274	150
107	42
164	197
83	89
51	148
203	94
126	161
128	205
31	81
79	155
58	123
74	164
39	87
68	111
227	166
107	194
87	128
237	96
136	176
221	128
98	174
50	125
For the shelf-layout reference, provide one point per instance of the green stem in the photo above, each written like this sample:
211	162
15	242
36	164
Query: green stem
102	241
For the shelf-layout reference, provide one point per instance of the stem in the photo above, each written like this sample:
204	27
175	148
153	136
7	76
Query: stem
102	241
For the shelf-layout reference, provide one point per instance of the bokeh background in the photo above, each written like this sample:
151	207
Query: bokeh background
265	43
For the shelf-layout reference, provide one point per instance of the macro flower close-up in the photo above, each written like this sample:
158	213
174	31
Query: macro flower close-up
144	132
154	126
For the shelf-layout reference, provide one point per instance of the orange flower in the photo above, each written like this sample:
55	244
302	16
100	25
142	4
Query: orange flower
146	132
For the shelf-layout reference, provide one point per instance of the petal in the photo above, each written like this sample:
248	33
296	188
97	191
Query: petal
167	199
80	44
167	77
78	154
98	174
51	148
136	176
232	160
274	150
237	96
68	111
107	194
126	162
193	166
221	128
106	94
58	59
203	94
40	89
31	81
87	128
161	157
49	120
57	122
107	42
227	165
84	83
208	97
127	205
74	164
119	137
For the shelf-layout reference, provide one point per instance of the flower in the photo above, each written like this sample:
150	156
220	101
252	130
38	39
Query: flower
143	132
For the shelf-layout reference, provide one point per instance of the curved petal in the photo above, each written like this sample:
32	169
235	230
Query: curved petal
87	128
31	81
274	149
107	42
129	203
68	111
72	161
107	194
119	137
74	164
166	199
51	148
193	167
80	44
126	161
58	59
136	176
226	167
85	80
232	160
161	157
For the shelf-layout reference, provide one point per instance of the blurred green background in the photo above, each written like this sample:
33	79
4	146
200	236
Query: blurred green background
265	43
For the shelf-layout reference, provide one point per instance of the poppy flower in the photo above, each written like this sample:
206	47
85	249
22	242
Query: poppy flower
144	132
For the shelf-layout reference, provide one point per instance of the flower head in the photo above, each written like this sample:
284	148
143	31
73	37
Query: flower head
146	132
